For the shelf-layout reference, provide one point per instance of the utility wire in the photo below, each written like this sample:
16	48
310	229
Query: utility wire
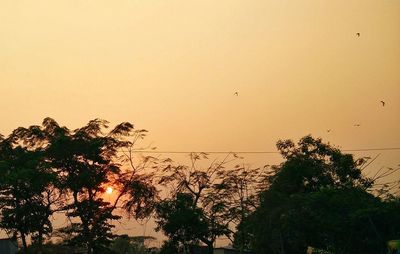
372	149
258	152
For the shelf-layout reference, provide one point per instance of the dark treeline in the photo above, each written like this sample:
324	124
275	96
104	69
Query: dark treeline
318	196
48	169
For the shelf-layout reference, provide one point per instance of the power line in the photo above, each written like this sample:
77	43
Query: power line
209	152
372	149
258	152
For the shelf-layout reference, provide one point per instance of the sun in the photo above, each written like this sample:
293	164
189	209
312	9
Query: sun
109	190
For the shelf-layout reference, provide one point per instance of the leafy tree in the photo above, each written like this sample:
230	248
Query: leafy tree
87	162
350	220
83	161
289	219
312	165
206	202
41	164
192	191
238	190
49	168
27	192
181	221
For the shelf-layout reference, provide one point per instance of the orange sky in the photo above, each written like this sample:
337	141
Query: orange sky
172	67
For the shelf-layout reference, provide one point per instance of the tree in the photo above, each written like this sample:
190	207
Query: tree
349	220
238	190
289	219
49	168
181	221
213	199
50	160
192	187
312	165
86	161
27	192
83	159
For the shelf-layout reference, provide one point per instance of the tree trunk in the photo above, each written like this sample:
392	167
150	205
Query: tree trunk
89	240
85	224
185	248
210	248
24	245
281	240
241	250
242	229
40	243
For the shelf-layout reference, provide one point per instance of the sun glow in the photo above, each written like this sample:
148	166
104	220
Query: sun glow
109	190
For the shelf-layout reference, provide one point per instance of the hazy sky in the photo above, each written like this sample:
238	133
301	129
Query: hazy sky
172	67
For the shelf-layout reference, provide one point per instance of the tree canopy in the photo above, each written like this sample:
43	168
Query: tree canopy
206	201
49	168
318	197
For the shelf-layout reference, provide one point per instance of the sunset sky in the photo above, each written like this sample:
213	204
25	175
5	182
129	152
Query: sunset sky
172	67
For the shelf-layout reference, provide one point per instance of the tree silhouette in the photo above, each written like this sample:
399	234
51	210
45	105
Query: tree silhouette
217	197
181	221
238	190
318	197
27	186
50	168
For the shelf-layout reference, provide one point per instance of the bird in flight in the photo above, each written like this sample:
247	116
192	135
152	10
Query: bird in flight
358	34
383	103
357	125
236	93
329	130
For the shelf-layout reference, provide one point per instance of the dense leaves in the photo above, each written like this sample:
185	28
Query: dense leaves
49	168
206	202
182	222
26	186
318	197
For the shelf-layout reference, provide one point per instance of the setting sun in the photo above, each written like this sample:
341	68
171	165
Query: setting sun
109	190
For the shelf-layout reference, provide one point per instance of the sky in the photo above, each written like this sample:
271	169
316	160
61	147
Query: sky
173	67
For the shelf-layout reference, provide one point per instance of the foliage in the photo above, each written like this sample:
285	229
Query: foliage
213	199
27	182
193	189
238	191
318	197
50	248
312	165
50	168
170	247
84	159
181	221
129	245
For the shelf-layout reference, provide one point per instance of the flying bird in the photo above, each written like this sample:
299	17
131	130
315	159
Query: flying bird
357	125
383	103
236	93
329	130
358	34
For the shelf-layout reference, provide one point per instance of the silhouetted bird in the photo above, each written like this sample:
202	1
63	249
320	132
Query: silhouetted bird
357	125
329	130
383	103
358	34
236	93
